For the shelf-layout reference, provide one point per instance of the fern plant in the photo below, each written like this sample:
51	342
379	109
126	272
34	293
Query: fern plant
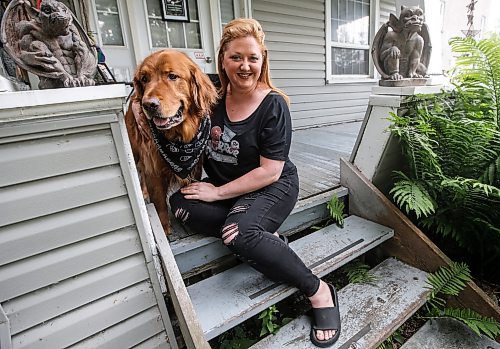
336	208
450	281
451	143
358	272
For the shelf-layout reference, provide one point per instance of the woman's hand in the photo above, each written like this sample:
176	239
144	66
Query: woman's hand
201	191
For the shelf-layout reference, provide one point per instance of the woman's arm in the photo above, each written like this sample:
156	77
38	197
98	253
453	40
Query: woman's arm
267	173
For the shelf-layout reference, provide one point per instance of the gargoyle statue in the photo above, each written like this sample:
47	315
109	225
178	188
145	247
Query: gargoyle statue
49	43
403	52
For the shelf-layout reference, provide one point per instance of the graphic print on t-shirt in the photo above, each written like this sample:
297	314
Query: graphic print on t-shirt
222	147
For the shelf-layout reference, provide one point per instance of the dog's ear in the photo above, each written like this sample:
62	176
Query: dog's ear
204	91
138	87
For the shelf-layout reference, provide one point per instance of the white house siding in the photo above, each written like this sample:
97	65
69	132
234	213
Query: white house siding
75	269
295	36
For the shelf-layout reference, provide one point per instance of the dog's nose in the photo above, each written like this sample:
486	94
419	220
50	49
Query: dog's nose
151	104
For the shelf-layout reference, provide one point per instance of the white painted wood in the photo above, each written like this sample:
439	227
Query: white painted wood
241	292
355	114
37	98
297	39
35	236
160	341
128	333
315	11
49	157
447	333
374	140
48	268
44	112
407	90
37	307
190	326
324	97
301	21
34	199
385	101
313	5
374	147
5	341
369	312
44	128
72	233
75	326
142	219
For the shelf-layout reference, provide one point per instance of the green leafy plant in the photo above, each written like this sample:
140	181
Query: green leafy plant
269	318
235	339
450	281
358	272
393	341
451	143
336	208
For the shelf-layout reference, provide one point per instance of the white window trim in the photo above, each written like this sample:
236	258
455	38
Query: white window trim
184	49
121	15
334	79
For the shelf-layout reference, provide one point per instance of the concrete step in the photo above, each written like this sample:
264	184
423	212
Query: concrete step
369	312
229	298
195	253
448	333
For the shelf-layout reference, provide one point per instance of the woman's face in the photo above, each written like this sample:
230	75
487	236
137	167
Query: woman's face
243	63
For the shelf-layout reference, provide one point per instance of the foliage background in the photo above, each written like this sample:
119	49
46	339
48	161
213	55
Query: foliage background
451	143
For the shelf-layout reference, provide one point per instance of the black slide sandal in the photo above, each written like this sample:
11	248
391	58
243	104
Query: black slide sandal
326	319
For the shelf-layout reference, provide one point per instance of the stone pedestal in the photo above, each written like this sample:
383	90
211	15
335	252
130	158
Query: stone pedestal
376	153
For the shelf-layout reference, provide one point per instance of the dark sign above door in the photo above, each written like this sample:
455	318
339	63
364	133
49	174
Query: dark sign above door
175	10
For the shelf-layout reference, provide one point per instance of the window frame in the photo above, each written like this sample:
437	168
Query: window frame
185	49
370	77
120	14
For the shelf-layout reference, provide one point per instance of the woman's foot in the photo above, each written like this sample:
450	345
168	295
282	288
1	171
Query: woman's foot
325	329
323	299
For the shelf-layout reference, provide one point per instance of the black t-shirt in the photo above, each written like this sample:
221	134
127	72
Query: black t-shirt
234	148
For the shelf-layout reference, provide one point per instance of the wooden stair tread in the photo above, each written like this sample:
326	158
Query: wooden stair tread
447	334
194	251
229	298
369	312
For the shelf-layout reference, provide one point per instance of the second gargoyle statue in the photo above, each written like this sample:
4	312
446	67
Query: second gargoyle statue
401	49
50	43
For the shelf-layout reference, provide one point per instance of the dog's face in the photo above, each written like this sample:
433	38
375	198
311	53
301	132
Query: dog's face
172	88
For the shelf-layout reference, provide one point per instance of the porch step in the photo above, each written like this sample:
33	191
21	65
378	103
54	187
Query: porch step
369	312
229	298
448	334
195	253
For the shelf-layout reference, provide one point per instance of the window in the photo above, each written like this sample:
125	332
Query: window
227	11
110	27
173	34
349	31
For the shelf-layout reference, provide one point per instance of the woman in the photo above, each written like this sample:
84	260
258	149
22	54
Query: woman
252	185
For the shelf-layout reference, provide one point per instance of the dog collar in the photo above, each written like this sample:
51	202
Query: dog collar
182	157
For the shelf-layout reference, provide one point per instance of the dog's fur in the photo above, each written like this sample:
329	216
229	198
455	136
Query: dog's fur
163	82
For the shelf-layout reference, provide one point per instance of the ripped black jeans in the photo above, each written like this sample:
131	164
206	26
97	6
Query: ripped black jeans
254	217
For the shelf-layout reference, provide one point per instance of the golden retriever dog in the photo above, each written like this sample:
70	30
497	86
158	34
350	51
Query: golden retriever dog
173	99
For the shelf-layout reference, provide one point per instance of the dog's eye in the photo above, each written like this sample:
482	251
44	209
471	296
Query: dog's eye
144	79
172	76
